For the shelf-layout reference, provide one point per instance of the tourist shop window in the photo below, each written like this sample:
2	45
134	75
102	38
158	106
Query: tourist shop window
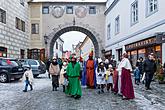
45	10
134	13
2	16
92	10
117	25
152	7
35	28
69	10
22	2
109	31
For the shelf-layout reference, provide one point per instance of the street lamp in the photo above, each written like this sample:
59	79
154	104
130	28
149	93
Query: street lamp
46	42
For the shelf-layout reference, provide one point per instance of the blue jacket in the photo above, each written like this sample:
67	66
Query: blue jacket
137	73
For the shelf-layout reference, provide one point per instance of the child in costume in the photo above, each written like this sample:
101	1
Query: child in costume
109	78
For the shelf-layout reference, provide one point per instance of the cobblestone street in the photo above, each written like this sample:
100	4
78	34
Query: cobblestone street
42	98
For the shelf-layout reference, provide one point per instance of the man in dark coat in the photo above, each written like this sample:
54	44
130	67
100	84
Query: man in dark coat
149	67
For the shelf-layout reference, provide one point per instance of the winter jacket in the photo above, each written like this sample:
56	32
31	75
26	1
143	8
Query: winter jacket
28	75
149	66
54	69
139	65
137	73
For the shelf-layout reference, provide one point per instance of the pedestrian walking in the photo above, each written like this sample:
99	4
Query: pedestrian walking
137	75
109	78
55	72
100	77
47	66
149	67
28	78
73	75
63	80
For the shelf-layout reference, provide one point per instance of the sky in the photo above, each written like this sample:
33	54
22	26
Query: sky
72	37
73	0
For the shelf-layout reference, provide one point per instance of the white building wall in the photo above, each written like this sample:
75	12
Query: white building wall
146	26
10	37
86	49
58	51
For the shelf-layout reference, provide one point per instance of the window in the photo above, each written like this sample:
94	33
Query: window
22	2
152	6
69	10
117	25
20	24
32	62
22	53
56	45
2	16
23	26
134	12
92	10
35	29
109	31
45	10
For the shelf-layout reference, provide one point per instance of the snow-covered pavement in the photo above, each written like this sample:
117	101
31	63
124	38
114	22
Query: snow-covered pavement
42	98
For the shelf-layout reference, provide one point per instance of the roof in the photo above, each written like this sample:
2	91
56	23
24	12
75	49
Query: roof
90	1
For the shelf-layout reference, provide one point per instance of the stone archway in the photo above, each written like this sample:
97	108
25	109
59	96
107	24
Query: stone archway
74	28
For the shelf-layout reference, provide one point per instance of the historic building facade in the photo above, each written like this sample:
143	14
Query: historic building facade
14	23
86	48
135	26
58	48
50	19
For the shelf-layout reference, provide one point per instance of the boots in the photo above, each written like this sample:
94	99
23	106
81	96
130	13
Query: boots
31	87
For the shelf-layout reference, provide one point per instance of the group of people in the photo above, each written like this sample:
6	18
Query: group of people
74	73
147	69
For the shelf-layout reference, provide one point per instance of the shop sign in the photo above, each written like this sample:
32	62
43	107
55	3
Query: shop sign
141	43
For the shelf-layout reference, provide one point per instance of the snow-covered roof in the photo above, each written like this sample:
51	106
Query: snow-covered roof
94	1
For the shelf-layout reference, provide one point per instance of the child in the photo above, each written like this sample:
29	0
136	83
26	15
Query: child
137	75
28	78
63	80
109	77
100	75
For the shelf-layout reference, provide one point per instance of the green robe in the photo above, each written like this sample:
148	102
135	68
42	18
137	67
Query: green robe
73	73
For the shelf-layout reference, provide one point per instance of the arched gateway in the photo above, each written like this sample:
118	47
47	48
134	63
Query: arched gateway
52	19
74	28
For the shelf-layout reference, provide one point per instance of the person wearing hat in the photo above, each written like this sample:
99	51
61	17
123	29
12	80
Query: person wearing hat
125	86
28	78
100	75
54	70
73	75
89	75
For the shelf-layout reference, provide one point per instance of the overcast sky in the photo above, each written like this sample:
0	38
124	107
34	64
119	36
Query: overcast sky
72	37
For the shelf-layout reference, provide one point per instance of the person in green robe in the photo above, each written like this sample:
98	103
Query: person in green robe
73	75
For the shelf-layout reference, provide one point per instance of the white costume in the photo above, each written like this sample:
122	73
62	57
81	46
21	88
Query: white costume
125	63
100	76
28	74
62	79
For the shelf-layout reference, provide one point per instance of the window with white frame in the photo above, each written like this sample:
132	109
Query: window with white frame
69	10
92	10
152	6
35	28
109	31
117	25
45	10
2	16
134	12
